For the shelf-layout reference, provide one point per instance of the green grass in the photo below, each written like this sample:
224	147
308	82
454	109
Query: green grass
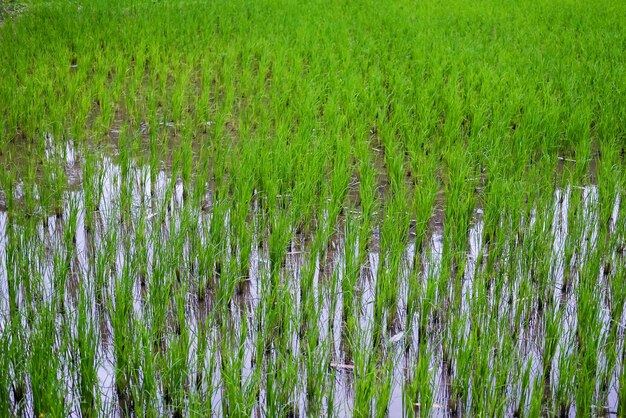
322	209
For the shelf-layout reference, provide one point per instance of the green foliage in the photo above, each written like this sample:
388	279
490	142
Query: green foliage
276	208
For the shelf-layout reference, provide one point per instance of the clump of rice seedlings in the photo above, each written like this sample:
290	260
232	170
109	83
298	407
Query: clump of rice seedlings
93	183
458	214
121	313
365	374
419	393
352	268
317	359
87	351
45	364
240	392
385	381
5	399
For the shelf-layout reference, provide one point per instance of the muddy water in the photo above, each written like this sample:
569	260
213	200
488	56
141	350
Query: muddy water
149	194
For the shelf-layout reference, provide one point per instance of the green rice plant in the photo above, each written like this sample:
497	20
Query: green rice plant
428	303
588	334
19	363
525	388
364	375
87	347
279	400
618	298
506	364
458	215
5	381
568	362
44	365
308	300
622	388
317	358
421	393
175	366
279	238
553	330
121	313
145	394
423	169
64	256
385	381
351	270
242	233
536	397
393	240
367	194
240	394
93	183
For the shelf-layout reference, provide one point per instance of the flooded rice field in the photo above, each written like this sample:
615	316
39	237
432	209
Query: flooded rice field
142	304
322	209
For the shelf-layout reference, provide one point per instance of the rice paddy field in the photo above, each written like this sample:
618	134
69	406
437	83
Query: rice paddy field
330	208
